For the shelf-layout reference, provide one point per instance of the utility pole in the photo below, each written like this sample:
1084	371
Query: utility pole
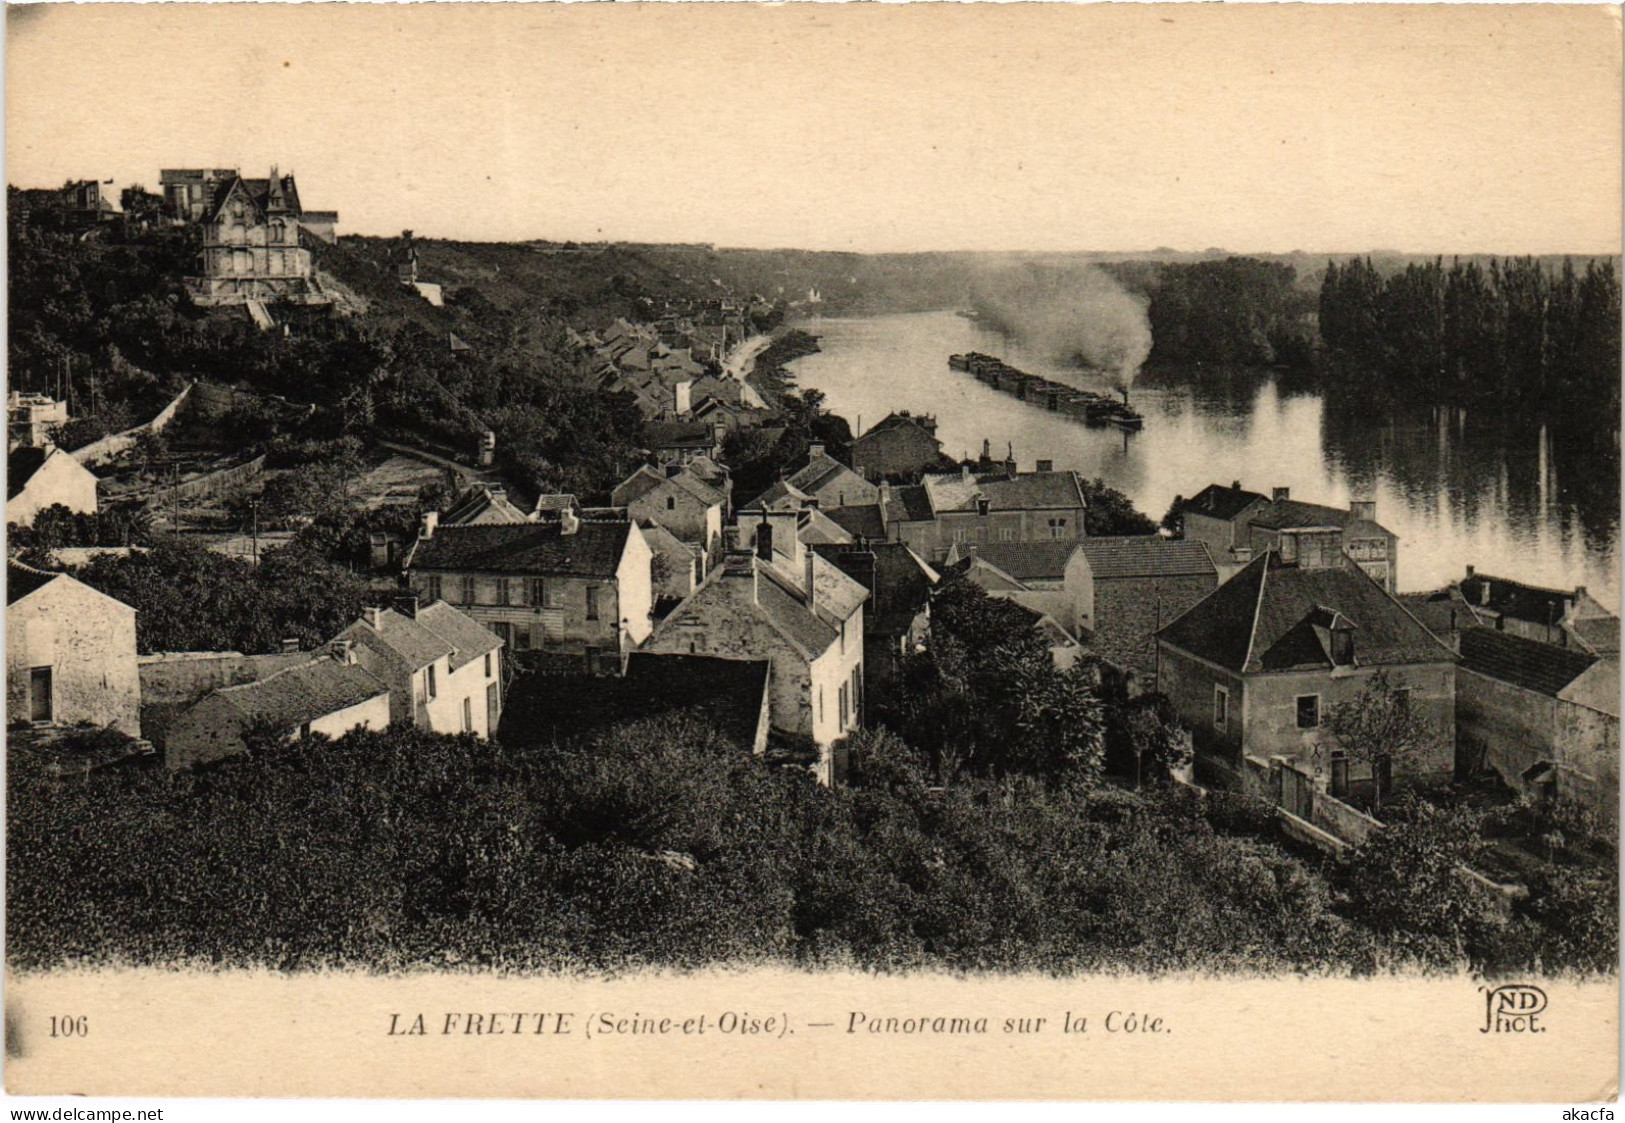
254	505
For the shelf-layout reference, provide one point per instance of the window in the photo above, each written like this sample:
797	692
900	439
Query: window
1221	708
1340	774
840	695
671	503
820	703
434	587
502	591
592	602
1308	711
468	590
468	715
487	664
1343	646
959	535
1057	528
1007	534
521	637
431	680
537	591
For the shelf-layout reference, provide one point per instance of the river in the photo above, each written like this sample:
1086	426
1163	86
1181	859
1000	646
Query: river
1457	489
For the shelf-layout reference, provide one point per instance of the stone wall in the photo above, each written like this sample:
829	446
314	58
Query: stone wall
88	642
117	444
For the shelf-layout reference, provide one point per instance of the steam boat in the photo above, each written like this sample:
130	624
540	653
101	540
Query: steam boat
1057	397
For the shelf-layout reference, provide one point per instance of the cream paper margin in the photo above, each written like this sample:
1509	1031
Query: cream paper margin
328	1035
173	1033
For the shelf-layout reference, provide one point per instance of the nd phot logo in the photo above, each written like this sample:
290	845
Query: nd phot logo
1513	1008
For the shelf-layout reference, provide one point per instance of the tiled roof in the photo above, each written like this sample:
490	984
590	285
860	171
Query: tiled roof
24	579
777	603
778	493
1541	667
290	698
1441	611
1267	617
680	434
817	529
1219	502
480	506
910	503
594	550
468	638
819	470
401	636
1529	603
1597	688
861	521
1025	491
1030	561
902	583
1281	514
1147	555
647	478
1600	633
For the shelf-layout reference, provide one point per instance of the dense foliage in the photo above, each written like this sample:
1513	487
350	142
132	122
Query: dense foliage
188	598
1516	334
661	843
1240	310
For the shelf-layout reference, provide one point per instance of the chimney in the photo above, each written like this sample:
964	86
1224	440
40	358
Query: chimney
987	449
885	491
431	522
965	474
1235	485
1281	493
407	605
497	491
673	470
1046	465
764	540
1470	572
289	646
568	523
343	651
815	450
374	617
812	586
1484	594
1363	509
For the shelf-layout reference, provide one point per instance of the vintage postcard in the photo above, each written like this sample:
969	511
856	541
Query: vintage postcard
952	551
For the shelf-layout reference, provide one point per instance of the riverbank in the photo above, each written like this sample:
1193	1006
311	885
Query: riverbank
769	377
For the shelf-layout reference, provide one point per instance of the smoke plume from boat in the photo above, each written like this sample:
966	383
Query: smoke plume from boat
1070	316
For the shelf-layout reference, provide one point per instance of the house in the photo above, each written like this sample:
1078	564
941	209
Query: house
1217	516
251	247
483	505
682	441
1253	668
1443	612
1544	717
566	586
1236	525
1287	525
41	477
900	444
829	483
326	695
982	508
897	616
30	419
443	670
1049	577
784	603
678	566
1131	587
1563	617
677	499
70	653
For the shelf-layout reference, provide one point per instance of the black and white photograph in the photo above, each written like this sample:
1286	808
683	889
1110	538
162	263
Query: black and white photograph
688	543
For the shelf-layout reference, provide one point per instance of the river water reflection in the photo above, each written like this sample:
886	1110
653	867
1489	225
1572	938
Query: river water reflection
1457	489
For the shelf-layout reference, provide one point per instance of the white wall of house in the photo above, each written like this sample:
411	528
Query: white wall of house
371	714
634	580
84	641
60	479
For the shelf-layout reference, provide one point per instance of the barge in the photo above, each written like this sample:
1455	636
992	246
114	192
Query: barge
1057	397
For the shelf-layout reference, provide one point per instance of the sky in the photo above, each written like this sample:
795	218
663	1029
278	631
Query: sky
1262	128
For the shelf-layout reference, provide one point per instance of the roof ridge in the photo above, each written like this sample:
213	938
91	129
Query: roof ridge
1258	609
1399	604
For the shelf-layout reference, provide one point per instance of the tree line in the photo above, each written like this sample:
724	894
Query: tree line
1515	333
